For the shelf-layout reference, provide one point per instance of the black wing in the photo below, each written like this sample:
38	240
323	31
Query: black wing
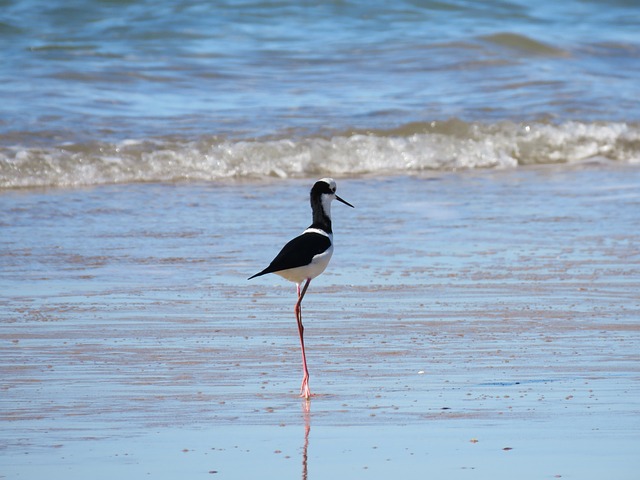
298	252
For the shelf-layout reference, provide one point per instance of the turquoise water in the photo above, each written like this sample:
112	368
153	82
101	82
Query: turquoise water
126	91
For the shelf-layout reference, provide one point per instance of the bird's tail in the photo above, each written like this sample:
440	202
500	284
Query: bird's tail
259	274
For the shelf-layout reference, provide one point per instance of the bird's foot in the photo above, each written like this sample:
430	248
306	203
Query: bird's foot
305	392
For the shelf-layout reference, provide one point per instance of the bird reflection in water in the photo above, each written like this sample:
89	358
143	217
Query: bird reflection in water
306	413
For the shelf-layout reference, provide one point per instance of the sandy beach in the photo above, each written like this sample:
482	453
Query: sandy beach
471	325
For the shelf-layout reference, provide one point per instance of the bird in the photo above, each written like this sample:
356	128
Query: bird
306	256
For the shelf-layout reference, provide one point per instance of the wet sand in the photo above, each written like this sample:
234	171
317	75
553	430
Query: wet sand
471	325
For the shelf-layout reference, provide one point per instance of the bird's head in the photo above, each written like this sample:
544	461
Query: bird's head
325	189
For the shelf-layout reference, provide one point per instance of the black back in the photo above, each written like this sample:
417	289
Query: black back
297	253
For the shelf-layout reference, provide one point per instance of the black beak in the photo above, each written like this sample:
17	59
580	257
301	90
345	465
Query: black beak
343	201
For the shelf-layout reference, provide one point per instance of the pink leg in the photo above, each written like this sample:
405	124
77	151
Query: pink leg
304	389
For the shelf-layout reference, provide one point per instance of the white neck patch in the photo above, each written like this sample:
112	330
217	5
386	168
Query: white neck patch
326	200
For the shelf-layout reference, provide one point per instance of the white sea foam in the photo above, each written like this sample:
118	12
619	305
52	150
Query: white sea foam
445	146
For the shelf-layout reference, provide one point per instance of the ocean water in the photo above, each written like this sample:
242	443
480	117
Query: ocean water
119	91
155	154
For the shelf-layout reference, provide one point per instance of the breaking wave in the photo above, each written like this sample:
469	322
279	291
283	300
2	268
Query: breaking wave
440	146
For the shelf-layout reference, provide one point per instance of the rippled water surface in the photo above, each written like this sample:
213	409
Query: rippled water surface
468	323
126	91
479	316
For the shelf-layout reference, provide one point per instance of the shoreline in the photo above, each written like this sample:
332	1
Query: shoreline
495	306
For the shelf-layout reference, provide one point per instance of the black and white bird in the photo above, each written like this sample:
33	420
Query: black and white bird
307	256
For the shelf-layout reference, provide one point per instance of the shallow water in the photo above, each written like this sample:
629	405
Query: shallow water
488	326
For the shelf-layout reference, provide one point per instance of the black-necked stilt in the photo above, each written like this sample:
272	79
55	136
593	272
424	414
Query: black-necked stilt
306	256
